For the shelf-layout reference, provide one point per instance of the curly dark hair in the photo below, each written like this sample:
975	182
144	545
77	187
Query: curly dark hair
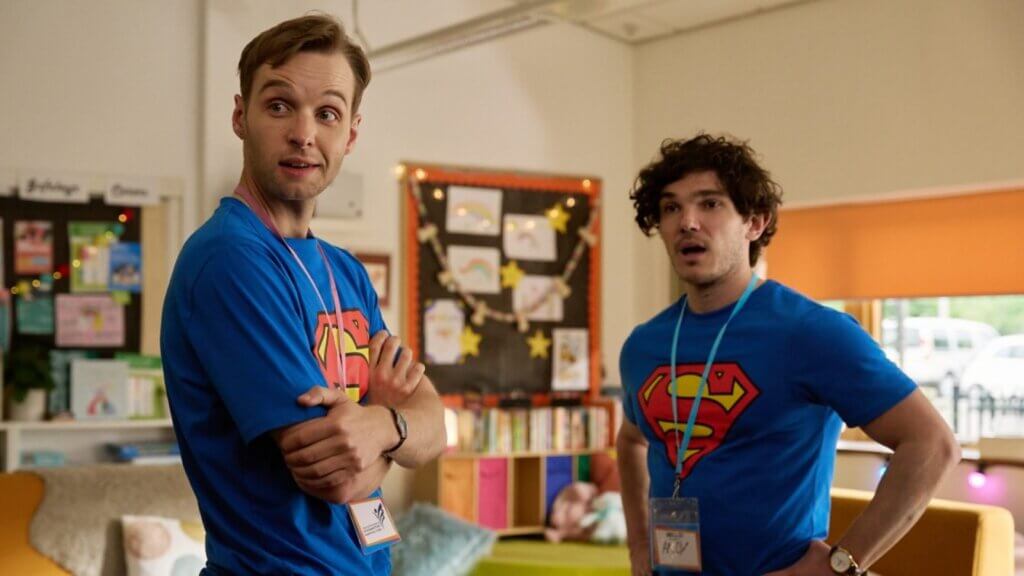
750	187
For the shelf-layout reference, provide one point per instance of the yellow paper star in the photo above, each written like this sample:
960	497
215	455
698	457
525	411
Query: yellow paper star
558	218
511	274
539	345
470	342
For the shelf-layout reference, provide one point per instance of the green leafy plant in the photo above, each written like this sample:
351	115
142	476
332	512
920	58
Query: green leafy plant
25	369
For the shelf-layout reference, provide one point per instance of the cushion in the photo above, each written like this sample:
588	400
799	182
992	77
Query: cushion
157	546
435	543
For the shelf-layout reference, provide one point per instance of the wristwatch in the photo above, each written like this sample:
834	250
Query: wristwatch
841	562
403	430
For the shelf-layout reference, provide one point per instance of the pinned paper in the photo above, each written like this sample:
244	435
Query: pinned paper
475	269
443	322
50	187
5	321
529	238
90	255
33	247
89	321
35	314
126	267
571	369
474	211
537	298
121	297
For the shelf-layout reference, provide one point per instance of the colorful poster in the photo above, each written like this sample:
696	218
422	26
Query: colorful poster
474	211
571	369
90	255
33	247
536	296
443	321
126	267
5	320
35	313
89	321
99	389
475	269
529	238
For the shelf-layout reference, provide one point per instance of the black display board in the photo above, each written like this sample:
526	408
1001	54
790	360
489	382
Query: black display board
504	366
13	209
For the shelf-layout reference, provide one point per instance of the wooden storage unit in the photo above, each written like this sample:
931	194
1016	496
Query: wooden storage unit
508	493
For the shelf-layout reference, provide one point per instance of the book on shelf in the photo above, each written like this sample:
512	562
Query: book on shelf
150	452
538	429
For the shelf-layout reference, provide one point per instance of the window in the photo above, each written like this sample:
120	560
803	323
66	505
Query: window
966	354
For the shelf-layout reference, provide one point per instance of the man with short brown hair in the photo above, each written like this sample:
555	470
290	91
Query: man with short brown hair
287	411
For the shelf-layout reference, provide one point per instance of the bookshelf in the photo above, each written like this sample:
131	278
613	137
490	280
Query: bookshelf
82	441
505	466
508	493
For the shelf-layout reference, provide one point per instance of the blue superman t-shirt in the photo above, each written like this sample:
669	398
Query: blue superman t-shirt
762	453
243	335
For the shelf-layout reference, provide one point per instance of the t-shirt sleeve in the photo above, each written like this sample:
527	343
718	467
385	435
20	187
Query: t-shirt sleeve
629	408
835	362
247	329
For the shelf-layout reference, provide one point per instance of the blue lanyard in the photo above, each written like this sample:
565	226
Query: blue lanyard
703	379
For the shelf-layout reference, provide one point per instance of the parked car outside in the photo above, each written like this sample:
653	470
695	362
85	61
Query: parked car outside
999	368
936	351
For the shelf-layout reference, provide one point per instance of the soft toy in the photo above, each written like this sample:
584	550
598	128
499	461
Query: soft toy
607	520
569	507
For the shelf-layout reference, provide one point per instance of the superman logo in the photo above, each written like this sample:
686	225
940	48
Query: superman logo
728	393
356	337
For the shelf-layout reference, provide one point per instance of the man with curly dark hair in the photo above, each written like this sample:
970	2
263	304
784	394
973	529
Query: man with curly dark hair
735	395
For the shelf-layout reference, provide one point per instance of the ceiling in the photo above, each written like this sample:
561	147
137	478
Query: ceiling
400	32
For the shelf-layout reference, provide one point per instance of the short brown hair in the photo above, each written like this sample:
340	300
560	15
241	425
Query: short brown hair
316	32
749	186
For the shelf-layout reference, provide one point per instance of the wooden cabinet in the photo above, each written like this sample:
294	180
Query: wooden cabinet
510	494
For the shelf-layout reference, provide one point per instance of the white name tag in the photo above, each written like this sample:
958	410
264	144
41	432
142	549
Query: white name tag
677	548
372	522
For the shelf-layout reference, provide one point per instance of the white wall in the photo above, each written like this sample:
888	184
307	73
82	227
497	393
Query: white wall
847	98
101	87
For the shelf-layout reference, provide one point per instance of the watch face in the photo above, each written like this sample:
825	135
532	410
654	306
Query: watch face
839	562
403	429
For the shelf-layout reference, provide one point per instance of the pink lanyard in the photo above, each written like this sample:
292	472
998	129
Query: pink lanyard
261	213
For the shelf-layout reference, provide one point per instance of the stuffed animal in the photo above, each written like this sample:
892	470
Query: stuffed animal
569	507
606	520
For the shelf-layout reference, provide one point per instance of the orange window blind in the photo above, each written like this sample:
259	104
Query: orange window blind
944	246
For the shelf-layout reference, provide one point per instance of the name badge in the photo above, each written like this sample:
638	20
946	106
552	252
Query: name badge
675	534
373	523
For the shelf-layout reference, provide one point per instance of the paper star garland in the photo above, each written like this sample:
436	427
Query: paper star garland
539	345
470	342
511	274
558	218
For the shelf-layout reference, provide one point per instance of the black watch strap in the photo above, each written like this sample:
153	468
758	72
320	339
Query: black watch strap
401	427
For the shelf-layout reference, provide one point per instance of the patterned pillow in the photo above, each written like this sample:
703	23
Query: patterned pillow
435	543
157	546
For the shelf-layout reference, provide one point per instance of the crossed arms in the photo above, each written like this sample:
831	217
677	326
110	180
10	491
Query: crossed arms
339	457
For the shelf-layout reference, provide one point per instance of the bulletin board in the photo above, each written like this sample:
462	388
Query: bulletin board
501	280
51	277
